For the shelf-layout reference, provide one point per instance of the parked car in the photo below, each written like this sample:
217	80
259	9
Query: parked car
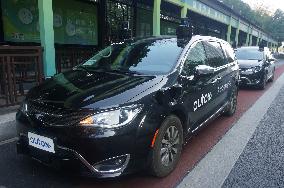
257	66
129	107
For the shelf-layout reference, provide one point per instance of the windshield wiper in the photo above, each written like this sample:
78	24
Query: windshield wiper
83	67
255	59
125	71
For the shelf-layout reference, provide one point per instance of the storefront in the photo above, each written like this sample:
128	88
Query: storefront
75	22
36	45
144	23
205	26
170	18
76	37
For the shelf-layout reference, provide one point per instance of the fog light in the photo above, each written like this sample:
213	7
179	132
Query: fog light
113	165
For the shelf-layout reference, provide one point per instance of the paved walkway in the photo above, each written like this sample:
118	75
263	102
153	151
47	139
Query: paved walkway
251	154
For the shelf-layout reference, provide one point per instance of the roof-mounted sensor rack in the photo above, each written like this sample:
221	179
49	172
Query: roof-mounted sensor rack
184	30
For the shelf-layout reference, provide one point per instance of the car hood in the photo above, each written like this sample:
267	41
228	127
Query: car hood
82	89
249	63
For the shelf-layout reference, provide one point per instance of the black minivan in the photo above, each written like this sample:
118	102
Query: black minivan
129	107
257	66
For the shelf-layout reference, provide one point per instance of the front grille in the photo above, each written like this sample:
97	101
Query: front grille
51	115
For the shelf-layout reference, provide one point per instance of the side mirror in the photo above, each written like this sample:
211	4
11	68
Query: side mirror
271	59
204	70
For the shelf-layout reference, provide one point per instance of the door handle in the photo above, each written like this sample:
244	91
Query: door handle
216	79
219	78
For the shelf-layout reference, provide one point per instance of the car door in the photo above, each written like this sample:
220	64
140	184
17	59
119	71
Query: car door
198	91
216	59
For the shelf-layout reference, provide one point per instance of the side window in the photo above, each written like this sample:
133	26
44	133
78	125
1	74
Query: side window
196	56
215	55
229	51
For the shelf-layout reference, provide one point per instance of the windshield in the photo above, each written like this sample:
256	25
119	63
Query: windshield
142	57
249	54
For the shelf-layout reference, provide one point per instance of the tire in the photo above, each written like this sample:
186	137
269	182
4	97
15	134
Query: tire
232	106
263	82
273	76
165	154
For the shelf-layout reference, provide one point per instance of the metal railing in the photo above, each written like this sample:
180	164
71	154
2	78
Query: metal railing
68	57
20	69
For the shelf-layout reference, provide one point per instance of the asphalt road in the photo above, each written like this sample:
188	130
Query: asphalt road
262	162
21	171
215	167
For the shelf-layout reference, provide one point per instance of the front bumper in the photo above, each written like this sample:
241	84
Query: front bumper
85	150
70	159
251	79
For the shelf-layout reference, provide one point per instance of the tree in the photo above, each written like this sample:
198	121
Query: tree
271	23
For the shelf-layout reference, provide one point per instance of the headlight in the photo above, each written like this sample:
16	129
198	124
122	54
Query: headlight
257	69
113	118
24	107
253	69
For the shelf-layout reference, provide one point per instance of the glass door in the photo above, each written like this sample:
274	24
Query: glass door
119	15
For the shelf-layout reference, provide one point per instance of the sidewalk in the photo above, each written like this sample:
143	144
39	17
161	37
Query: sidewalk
7	110
251	154
7	127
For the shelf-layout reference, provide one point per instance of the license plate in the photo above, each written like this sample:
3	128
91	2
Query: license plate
41	142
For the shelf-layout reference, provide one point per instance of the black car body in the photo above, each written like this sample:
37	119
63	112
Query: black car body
257	66
111	120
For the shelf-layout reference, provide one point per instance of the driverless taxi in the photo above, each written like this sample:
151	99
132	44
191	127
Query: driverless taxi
129	107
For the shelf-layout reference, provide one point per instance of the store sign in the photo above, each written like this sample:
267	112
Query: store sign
74	23
205	10
20	21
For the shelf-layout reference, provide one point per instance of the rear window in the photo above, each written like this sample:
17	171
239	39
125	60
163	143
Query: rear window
249	54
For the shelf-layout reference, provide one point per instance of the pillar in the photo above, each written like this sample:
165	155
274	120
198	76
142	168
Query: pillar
156	17
47	36
237	34
258	39
184	12
229	31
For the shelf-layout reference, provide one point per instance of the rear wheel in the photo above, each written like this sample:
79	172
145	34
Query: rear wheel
232	105
167	148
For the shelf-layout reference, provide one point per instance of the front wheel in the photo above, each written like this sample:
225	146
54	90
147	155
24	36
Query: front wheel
167	148
232	105
272	77
263	82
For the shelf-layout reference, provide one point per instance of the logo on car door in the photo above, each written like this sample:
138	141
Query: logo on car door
205	98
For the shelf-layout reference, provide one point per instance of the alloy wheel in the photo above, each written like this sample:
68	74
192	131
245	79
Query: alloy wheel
169	147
